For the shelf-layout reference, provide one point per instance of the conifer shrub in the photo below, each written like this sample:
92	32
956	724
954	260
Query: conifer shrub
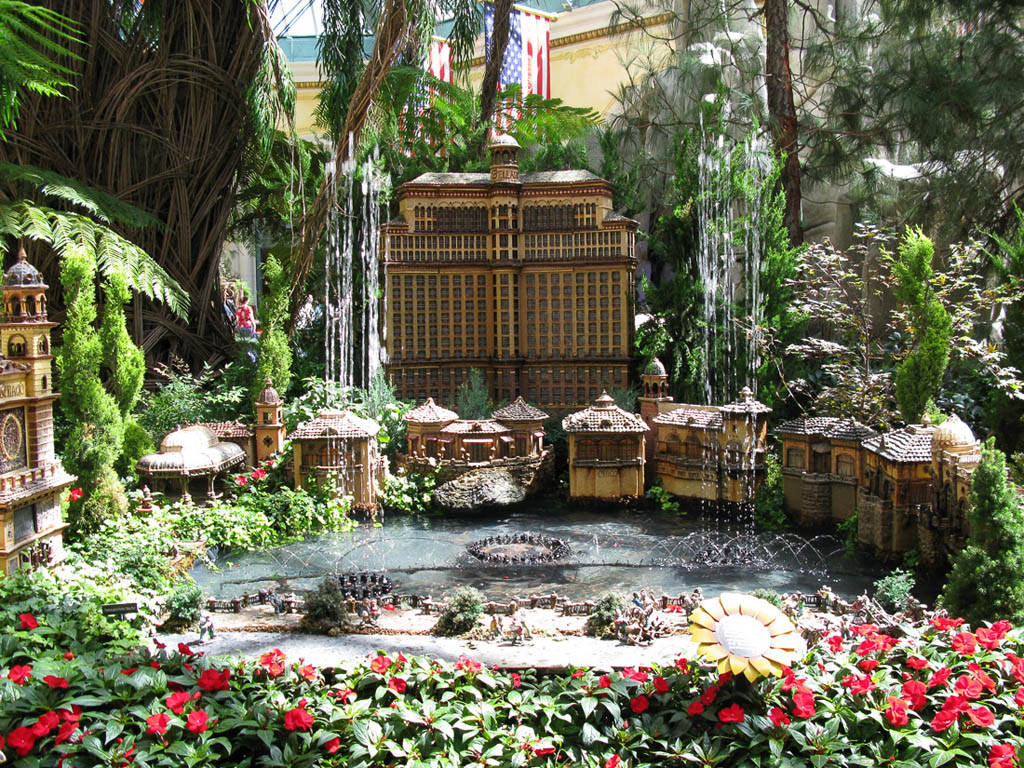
893	591
987	579
465	606
601	621
184	603
274	360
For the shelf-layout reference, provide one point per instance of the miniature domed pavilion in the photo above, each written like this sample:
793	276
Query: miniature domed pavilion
187	453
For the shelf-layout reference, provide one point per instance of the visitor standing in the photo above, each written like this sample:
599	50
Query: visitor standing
245	320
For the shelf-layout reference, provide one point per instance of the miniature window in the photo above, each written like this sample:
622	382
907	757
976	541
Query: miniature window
795	458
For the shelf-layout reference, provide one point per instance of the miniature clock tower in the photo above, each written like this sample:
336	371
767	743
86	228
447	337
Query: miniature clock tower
270	432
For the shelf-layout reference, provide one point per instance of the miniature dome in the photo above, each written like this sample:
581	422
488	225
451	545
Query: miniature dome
194	450
269	395
604	402
503	140
952	434
23	274
655	368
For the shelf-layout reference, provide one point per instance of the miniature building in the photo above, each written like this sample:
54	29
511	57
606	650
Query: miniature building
270	431
822	463
31	478
340	447
526	277
526	427
234	432
423	425
943	529
654	400
712	452
187	454
606	451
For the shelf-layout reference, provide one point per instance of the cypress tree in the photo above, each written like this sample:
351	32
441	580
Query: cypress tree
987	580
275	356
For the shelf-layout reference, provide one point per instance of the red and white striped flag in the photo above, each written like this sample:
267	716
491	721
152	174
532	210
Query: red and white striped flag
527	56
439	59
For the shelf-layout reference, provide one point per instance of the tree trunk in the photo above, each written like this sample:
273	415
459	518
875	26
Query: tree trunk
489	87
782	111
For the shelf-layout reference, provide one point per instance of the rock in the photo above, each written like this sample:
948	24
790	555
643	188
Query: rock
483	487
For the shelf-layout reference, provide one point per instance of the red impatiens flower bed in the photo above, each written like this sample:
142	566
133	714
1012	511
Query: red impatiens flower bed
939	694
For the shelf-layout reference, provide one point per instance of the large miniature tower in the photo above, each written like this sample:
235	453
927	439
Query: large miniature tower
270	432
31	479
654	392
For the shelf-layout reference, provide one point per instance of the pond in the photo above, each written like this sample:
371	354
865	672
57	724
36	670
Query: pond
612	549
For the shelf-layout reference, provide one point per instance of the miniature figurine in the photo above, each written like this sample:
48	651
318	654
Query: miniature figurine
206	626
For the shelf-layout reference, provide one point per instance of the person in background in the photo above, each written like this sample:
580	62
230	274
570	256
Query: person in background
245	320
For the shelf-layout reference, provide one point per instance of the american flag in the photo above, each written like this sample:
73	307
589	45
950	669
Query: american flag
527	59
439	60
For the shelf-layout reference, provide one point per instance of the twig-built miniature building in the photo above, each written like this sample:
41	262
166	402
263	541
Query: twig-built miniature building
525	277
341	448
187	455
909	487
31	478
606	451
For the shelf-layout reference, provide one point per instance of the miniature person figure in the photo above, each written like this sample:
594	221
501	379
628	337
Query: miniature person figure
206	626
277	602
245	320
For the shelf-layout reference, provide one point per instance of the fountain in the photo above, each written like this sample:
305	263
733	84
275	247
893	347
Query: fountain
519	549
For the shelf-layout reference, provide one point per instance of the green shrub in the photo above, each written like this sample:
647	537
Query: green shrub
186	399
892	591
185	603
769	501
465	606
769	595
137	443
601	622
404	492
274	360
326	609
847	530
664	500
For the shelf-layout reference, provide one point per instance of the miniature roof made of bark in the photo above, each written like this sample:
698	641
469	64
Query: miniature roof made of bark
519	410
334	423
430	413
604	416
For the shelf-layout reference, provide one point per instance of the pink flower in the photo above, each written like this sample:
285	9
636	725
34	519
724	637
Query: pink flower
639	704
258	474
242	480
578	674
197	721
298	719
28	621
157	724
731	714
779	717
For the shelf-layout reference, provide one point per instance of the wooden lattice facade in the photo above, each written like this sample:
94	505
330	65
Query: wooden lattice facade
527	278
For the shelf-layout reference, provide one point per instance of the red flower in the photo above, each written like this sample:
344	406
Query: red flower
1001	627
859	683
65	731
660	685
274	669
308	672
333	745
896	712
981	716
541	751
242	480
639	704
943	720
382	664
914	691
633	674
683	665
940	677
779	717
20	673
298	719
197	721
708	697
69	655
964	644
916	663
695	708
46	723
397	685
942	623
867	665
258	474
28	621
731	714
835	643
22	740
803	704
389	607
176	702
516	679
346	696
466	664
968	687
987	638
1019	698
184	650
156	724
129	671
1002	756
604	681
55	682
76	494
578	674
211	680
614	760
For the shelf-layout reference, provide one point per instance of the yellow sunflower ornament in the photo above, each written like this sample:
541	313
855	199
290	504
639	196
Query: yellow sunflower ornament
745	634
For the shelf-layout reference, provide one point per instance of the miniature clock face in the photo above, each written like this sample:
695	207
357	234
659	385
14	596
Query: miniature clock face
11	438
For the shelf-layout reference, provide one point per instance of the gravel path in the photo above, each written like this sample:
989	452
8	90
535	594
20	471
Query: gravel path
540	653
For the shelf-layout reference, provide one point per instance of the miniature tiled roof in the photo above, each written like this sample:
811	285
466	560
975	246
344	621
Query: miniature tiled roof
333	423
746	404
269	396
910	444
603	416
470	426
430	413
827	426
23	274
688	416
228	430
519	410
191	451
534	177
